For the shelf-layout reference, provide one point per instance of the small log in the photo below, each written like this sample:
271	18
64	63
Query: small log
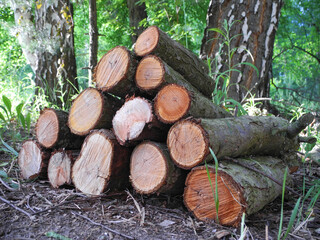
152	170
52	130
33	160
188	64
92	109
59	168
102	163
135	122
189	140
115	71
174	102
239	189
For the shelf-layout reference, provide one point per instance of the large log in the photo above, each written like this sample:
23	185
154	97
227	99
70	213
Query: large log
152	170
153	74
102	164
174	102
135	122
189	140
189	65
115	71
92	109
52	130
59	168
33	160
239	189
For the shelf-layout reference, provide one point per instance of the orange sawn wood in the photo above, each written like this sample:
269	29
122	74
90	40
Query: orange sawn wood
102	164
115	71
152	170
92	109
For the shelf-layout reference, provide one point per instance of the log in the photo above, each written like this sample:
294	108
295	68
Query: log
135	122
92	109
115	71
152	170
189	140
102	164
33	160
52	130
174	102
239	189
189	65
59	168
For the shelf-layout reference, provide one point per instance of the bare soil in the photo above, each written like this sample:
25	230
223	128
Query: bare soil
67	214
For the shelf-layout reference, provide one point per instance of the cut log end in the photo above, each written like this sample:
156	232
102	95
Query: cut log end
199	198
91	170
47	128
131	118
172	103
148	168
30	160
150	73
112	68
187	143
147	41
59	169
85	111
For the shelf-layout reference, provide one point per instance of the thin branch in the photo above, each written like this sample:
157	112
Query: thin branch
307	52
103	226
17	208
262	173
6	185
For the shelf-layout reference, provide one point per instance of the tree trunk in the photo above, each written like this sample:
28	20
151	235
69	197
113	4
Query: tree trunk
135	122
253	35
152	170
239	189
52	130
174	102
92	109
115	72
182	60
59	168
33	160
56	67
93	34
102	163
189	140
137	13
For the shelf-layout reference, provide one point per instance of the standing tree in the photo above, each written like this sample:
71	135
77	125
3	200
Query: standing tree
93	33
137	12
242	32
46	37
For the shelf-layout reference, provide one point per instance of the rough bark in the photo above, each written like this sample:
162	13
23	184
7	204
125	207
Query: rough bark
239	189
59	168
52	130
255	32
92	109
115	72
189	140
33	160
93	34
135	122
102	164
152	170
56	67
137	13
192	68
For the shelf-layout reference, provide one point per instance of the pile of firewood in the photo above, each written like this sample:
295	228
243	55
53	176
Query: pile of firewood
151	122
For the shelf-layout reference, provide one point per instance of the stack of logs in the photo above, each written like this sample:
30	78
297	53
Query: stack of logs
150	121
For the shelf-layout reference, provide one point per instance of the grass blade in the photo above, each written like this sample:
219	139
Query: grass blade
282	202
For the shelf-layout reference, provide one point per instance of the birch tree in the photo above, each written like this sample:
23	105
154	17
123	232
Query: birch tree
251	31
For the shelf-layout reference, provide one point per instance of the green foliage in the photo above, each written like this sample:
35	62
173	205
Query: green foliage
55	235
296	64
